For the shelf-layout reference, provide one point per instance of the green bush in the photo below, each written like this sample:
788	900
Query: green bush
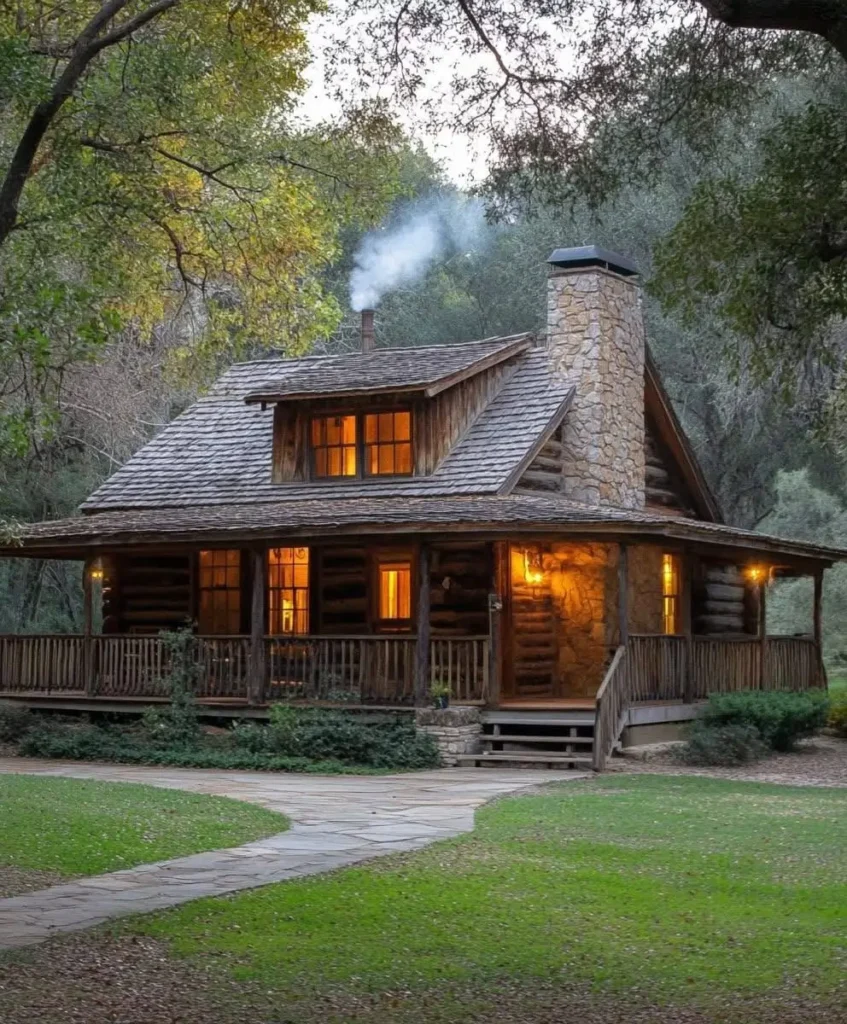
387	741
15	722
838	714
780	718
723	746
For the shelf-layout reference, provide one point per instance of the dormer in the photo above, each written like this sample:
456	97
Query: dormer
382	413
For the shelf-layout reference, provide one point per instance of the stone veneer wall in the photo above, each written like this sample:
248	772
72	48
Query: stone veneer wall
595	337
456	730
581	581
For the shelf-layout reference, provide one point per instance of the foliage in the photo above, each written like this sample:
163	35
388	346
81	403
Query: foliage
78	827
295	740
176	723
780	718
383	741
722	745
15	722
837	719
687	891
165	180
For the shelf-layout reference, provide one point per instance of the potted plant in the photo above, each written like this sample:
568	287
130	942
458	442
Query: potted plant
440	694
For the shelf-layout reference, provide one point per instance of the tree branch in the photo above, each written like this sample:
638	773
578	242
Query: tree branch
88	44
825	18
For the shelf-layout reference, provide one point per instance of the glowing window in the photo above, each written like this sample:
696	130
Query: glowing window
288	591
220	593
334	445
670	593
395	591
388	443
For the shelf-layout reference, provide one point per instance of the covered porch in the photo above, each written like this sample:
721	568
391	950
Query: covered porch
526	621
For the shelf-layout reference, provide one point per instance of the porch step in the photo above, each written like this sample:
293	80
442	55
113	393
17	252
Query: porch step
519	758
554	719
512	737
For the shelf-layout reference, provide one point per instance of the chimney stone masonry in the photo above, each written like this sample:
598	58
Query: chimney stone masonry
595	338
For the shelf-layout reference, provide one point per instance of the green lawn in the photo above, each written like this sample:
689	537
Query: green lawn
692	890
76	827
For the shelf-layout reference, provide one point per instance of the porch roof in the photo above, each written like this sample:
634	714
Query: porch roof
490	514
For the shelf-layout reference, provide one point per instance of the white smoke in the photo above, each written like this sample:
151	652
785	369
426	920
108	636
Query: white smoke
414	238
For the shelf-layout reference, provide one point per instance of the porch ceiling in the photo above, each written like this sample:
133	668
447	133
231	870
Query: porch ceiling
504	515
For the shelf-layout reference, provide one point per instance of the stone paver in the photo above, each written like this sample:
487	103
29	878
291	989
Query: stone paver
335	821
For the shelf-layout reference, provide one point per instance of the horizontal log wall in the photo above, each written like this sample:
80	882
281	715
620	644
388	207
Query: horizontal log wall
146	594
663	483
546	472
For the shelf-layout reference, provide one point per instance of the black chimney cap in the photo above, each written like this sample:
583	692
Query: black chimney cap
593	256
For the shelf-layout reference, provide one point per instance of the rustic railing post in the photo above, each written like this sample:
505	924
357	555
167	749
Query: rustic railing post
257	669
422	652
623	594
763	637
817	616
688	659
495	625
88	629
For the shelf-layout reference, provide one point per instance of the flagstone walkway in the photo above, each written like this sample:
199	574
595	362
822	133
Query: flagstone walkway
335	821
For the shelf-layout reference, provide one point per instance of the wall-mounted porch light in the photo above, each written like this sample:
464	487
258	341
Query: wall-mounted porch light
95	572
757	574
533	569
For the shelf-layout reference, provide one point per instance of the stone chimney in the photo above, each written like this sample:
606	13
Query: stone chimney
595	337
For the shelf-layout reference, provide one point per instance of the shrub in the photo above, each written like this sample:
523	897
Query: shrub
176	723
780	718
838	714
15	722
722	745
386	741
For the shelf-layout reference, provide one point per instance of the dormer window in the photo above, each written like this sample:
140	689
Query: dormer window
334	446
367	444
388	443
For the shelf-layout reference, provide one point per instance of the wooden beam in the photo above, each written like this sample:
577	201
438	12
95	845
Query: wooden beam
623	594
495	622
258	666
687	611
423	629
818	614
763	635
89	674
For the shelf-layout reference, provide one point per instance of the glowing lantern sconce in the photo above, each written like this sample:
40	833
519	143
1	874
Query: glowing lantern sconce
757	574
533	570
96	573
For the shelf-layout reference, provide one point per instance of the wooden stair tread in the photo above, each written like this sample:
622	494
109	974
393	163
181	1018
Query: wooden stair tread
517	756
568	723
520	738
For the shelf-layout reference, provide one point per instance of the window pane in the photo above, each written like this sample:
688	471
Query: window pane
395	590
370	428
402	426
388	446
670	593
288	602
349	430
219	580
403	458
349	461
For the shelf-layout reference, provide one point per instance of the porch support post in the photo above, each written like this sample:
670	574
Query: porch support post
423	631
763	636
687	576
495	622
88	629
623	594
818	626
259	578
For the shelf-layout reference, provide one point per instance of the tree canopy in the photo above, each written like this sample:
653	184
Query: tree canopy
153	170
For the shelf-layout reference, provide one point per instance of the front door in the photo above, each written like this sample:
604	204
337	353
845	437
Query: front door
530	662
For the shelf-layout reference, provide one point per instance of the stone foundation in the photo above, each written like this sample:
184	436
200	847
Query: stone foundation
456	730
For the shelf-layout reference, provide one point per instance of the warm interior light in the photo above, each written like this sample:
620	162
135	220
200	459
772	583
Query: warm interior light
756	573
96	573
532	568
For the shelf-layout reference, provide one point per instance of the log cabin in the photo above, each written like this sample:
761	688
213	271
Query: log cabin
521	520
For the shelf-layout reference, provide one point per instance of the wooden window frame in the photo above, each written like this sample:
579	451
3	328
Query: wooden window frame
314	449
361	447
270	589
379	558
672	595
240	590
369	446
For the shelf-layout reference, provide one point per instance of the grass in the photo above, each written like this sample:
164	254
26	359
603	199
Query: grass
76	827
684	888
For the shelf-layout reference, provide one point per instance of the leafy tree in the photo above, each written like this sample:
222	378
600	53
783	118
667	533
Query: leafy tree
151	170
580	98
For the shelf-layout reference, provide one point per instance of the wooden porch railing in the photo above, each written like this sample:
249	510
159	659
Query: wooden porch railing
674	668
332	669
